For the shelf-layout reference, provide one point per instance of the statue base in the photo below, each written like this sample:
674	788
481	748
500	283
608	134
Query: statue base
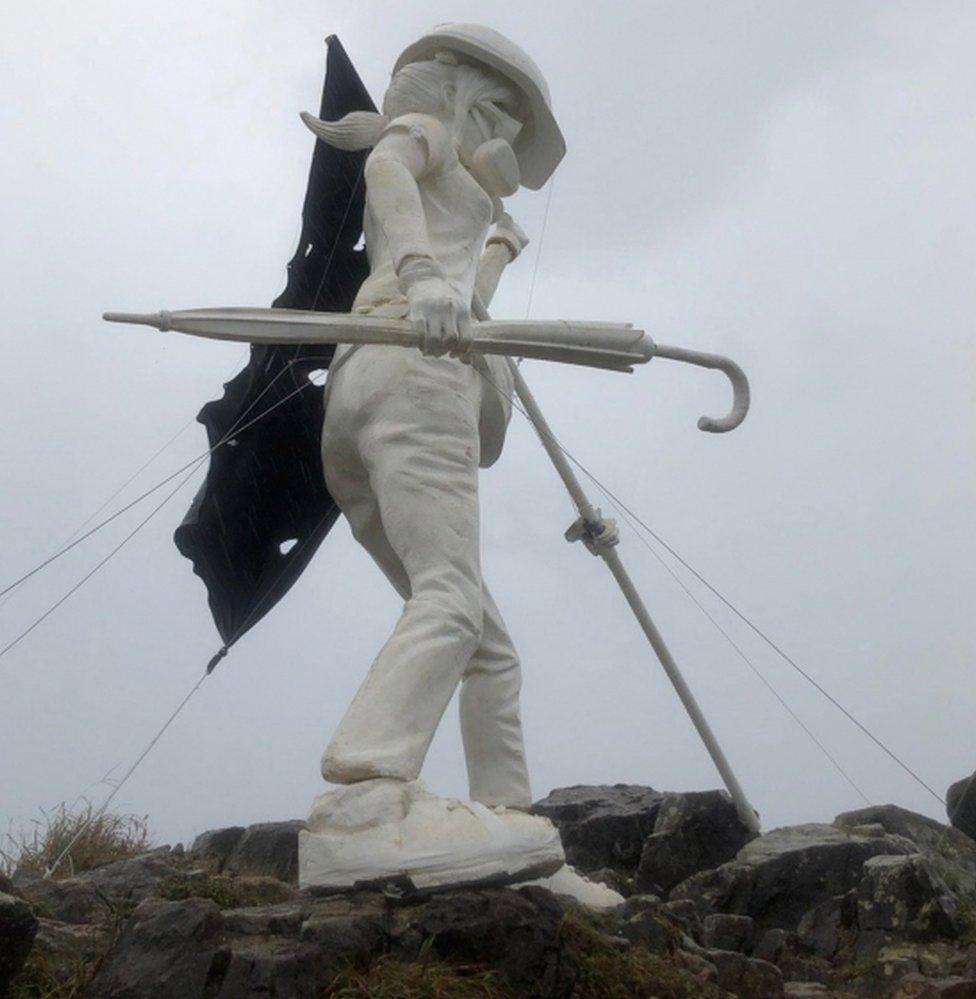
384	832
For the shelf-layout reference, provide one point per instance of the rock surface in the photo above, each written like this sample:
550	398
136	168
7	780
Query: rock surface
190	949
602	826
268	849
961	805
693	832
18	926
775	879
879	903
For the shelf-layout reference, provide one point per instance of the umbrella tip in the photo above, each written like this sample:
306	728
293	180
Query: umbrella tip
137	318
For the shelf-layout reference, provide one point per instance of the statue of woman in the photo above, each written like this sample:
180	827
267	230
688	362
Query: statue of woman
466	120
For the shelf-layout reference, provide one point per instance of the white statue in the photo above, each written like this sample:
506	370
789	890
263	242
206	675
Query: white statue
466	119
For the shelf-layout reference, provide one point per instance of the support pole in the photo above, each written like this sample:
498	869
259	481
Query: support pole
592	523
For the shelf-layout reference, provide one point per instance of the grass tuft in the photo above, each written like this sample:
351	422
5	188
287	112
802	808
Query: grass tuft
104	839
390	979
228	892
608	972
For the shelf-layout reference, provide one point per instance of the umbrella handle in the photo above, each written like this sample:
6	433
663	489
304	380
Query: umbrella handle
735	374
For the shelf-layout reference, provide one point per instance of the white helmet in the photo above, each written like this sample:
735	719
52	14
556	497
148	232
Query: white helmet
539	146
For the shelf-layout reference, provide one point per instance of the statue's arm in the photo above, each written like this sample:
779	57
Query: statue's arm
506	241
411	146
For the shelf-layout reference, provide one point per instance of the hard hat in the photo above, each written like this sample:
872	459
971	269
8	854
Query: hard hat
539	146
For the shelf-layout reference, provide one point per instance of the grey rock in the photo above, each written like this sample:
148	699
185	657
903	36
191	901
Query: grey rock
18	927
71	900
515	932
724	931
114	887
746	977
961	805
684	912
803	990
693	832
822	928
905	897
269	849
62	948
191	950
775	945
775	879
648	928
952	853
168	950
603	825
216	845
638	903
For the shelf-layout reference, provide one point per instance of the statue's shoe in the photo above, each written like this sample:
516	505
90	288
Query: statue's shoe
388	832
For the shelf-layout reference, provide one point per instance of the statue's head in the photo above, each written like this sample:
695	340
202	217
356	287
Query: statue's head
486	90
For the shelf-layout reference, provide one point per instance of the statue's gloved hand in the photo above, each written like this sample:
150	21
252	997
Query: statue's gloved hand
444	319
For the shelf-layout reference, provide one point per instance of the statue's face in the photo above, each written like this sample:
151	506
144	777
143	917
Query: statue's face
490	118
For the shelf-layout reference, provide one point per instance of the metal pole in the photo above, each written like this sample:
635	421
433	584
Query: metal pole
593	523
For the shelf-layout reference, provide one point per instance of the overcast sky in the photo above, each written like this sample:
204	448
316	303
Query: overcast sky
787	183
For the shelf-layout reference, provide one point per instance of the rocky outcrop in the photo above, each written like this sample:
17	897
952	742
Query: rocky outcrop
18	927
603	826
268	849
693	832
775	879
881	902
97	893
191	948
961	805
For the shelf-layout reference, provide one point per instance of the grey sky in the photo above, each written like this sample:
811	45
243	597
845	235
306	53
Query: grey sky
787	183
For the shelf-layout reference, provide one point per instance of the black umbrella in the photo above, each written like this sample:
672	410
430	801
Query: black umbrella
264	509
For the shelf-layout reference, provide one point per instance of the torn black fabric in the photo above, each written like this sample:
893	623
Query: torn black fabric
264	509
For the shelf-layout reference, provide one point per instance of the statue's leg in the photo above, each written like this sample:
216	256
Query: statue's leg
491	724
421	463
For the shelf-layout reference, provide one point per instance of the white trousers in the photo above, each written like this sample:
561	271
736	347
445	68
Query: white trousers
400	449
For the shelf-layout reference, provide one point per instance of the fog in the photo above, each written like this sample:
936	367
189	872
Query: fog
790	184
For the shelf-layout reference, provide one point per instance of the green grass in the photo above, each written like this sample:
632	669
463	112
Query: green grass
389	979
607	972
228	892
102	840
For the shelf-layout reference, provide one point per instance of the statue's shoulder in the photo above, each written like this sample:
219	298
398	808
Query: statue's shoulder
430	133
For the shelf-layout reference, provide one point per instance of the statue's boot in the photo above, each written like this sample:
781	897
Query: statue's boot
386	832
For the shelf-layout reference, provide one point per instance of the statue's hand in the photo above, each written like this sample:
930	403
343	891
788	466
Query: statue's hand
444	319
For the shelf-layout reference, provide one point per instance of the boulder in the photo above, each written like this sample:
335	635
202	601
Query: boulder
746	977
961	805
903	897
215	846
269	849
190	949
603	825
167	949
822	929
18	926
951	852
61	949
693	832
100	891
724	931
515	932
778	877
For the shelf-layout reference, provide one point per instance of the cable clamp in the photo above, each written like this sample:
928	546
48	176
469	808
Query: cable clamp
212	665
598	535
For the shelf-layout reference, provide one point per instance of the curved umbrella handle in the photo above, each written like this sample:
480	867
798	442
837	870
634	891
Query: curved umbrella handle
735	374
